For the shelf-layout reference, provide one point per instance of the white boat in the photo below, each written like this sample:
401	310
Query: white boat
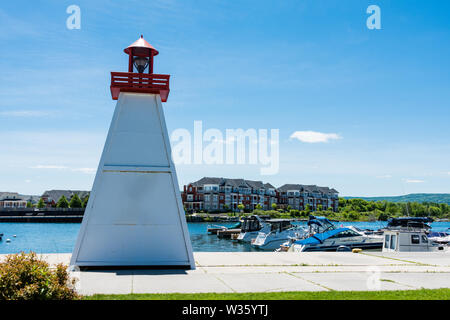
281	230
250	228
439	237
324	236
409	235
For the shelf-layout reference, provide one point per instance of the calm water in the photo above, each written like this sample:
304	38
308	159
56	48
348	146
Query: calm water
60	237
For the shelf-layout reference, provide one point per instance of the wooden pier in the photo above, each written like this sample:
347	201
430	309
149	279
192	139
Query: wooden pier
228	233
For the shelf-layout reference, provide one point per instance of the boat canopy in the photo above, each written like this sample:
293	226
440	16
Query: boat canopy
321	223
320	237
413	222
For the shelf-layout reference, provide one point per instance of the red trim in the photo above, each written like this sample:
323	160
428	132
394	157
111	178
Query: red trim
141	83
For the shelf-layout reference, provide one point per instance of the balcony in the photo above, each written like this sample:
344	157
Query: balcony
140	83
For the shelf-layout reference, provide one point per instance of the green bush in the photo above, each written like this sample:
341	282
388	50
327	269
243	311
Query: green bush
25	277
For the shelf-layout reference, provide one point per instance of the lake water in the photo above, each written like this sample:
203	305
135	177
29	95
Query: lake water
60	237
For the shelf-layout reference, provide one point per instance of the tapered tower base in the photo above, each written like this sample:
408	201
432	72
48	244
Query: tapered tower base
135	216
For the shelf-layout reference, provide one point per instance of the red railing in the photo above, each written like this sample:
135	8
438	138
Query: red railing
141	83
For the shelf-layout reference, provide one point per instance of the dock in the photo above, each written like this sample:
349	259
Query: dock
274	271
48	215
228	233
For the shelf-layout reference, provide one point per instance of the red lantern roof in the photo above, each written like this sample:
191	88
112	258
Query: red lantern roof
140	47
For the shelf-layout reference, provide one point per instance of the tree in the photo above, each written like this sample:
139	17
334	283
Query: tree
29	204
75	202
85	201
62	202
274	206
258	206
241	207
319	207
40	204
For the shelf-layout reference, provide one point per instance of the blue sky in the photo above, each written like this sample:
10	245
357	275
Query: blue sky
288	65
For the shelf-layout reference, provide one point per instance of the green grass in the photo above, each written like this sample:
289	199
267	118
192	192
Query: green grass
422	294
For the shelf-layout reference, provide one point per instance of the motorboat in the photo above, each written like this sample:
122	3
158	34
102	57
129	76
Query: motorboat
281	230
439	237
325	236
250	228
408	234
340	239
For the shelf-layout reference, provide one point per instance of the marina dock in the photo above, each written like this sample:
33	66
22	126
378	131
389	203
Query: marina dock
275	271
48	215
228	233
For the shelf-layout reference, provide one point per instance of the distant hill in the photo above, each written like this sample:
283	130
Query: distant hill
413	197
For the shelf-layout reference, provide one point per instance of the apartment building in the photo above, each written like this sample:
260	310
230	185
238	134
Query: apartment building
223	194
298	196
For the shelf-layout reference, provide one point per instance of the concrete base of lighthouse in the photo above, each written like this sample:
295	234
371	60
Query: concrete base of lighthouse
135	216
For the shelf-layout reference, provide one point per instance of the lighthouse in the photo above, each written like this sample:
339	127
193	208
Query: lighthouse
135	216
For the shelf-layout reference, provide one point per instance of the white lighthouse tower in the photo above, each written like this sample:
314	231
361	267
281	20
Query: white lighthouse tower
135	215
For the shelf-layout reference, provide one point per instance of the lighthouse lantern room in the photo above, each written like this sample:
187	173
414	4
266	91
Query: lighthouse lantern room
140	57
135	216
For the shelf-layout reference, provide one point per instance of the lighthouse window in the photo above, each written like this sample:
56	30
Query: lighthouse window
386	241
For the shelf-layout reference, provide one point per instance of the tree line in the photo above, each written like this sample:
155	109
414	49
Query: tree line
75	202
364	210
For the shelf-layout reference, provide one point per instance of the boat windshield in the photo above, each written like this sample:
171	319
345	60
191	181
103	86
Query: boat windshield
280	225
346	234
320	224
250	224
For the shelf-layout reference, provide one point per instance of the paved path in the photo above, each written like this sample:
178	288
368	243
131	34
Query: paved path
275	271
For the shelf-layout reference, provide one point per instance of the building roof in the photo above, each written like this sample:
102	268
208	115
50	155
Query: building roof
55	195
10	196
139	47
307	188
236	183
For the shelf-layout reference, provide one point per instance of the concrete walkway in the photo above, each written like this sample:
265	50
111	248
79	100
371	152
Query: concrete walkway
275	271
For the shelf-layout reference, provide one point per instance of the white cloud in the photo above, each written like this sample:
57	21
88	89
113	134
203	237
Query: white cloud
57	167
314	136
42	166
85	170
413	181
